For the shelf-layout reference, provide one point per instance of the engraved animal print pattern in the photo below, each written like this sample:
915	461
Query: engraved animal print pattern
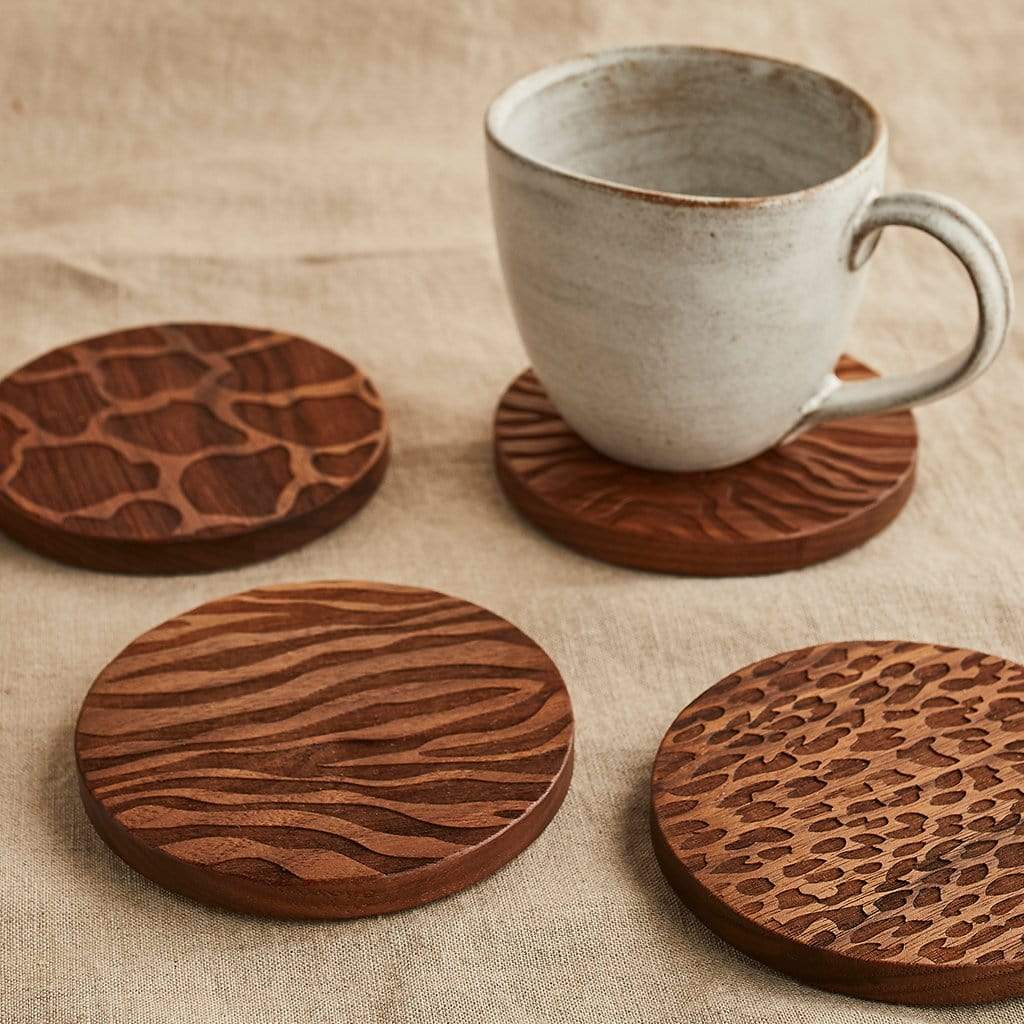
827	476
864	798
184	430
325	731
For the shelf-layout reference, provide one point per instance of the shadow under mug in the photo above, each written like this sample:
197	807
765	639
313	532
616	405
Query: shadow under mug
682	233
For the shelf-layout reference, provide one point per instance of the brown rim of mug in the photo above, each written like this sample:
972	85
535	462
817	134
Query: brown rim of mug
564	71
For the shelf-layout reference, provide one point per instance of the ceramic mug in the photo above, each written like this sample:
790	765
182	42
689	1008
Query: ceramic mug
683	232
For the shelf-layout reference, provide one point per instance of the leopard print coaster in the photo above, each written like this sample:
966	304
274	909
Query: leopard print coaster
853	814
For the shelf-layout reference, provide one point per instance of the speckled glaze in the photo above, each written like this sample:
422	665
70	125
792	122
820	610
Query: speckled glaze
683	233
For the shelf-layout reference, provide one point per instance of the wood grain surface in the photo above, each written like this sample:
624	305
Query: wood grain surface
325	749
185	447
853	814
818	496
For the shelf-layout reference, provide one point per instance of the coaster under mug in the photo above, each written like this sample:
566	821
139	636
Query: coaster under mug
185	447
851	814
325	750
822	494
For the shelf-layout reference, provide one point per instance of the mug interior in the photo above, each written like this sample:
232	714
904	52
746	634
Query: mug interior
687	121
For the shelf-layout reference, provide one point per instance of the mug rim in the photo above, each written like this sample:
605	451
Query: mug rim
530	84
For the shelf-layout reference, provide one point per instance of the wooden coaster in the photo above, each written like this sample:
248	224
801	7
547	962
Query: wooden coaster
853	814
325	749
824	493
185	447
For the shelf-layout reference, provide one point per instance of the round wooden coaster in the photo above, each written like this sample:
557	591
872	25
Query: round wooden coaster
325	749
853	814
824	493
185	447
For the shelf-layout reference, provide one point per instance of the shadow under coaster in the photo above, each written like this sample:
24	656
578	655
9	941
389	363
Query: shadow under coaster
851	814
325	750
826	492
185	447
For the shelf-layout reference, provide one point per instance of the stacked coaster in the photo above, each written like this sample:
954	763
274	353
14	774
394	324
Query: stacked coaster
853	814
185	447
325	749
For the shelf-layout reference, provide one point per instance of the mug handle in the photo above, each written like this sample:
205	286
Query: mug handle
974	245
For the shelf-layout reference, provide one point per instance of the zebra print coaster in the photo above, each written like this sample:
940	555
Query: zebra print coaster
325	749
818	496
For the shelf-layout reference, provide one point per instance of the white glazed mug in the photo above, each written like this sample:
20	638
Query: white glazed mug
682	233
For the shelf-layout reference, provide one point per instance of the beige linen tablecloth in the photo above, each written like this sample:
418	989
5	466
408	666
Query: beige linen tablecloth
318	167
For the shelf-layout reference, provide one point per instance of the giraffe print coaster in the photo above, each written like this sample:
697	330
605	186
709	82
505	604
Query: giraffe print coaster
820	495
185	447
852	814
325	750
